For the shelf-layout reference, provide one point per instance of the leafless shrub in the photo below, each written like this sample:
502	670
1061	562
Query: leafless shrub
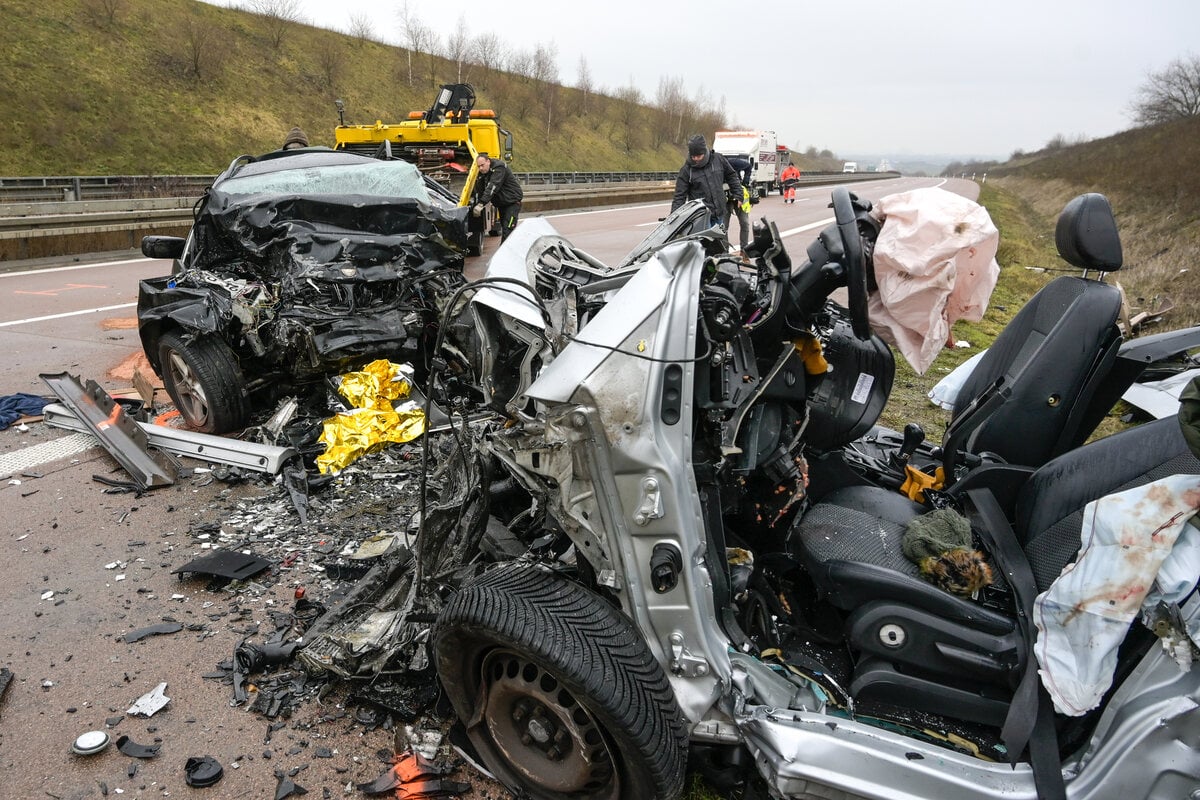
202	58
278	16
489	53
104	12
361	28
330	58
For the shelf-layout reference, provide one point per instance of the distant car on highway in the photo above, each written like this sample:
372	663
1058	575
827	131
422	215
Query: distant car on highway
300	264
850	166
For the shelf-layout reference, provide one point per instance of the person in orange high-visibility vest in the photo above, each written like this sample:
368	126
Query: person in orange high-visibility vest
788	179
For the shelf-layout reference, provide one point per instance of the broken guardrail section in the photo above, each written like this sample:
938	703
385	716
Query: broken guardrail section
232	452
118	434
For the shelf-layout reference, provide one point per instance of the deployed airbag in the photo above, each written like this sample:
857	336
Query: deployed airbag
935	263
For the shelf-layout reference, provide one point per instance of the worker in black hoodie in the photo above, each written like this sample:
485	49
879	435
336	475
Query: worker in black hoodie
705	176
500	188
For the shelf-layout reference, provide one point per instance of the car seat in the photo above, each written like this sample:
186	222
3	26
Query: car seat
918	646
1030	397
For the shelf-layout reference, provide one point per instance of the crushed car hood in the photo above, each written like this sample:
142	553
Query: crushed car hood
313	271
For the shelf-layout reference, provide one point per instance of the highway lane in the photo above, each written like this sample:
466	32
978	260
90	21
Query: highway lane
81	317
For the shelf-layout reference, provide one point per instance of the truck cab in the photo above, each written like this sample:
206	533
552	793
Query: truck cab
442	141
850	166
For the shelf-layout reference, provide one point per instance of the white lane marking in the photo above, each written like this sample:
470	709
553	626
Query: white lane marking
38	454
604	210
793	231
78	266
66	314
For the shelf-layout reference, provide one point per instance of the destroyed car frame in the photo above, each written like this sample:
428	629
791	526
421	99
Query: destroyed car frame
627	564
300	264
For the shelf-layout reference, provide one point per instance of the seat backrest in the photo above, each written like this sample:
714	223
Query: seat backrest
1051	352
1049	513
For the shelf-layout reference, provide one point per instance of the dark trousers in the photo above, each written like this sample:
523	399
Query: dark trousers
508	218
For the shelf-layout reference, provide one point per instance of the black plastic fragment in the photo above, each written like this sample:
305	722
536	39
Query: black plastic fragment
152	630
135	750
225	564
287	788
202	771
6	677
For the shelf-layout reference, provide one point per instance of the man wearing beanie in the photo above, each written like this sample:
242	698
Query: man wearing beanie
295	140
704	176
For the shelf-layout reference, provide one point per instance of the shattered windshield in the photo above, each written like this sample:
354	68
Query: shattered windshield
396	179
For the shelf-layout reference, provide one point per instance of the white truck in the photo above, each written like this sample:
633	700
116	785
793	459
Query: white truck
760	147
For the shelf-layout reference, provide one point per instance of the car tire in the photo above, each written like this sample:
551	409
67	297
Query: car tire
204	380
475	243
559	693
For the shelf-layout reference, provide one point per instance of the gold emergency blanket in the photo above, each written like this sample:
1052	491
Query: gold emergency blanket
375	421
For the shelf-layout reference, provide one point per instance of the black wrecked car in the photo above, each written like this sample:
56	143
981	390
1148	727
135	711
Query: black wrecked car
299	265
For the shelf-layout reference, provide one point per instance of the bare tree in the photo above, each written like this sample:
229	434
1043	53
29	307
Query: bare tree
458	44
361	27
416	36
197	43
629	115
584	84
673	105
488	52
104	12
331	61
278	16
544	67
1170	94
520	63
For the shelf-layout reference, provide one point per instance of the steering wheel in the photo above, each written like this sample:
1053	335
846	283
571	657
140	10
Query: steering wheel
856	262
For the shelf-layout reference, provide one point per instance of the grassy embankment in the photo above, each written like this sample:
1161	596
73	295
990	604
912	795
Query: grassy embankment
169	87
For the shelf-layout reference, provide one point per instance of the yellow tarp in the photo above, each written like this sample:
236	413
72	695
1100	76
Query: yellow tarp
375	421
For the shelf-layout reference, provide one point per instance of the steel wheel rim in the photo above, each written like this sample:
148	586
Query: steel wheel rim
190	397
546	736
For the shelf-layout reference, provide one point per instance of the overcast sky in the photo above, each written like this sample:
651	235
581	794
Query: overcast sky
878	77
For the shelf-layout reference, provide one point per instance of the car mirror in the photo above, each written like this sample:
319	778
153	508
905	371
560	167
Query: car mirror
162	246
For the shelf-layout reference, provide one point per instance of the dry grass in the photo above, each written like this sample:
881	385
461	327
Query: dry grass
1152	178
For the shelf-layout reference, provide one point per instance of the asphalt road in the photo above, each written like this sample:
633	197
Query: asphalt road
83	567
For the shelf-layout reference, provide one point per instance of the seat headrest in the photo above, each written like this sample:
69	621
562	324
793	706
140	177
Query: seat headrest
1086	234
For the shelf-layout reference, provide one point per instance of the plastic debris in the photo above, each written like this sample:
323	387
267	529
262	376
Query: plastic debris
150	703
225	564
202	771
90	743
152	630
134	750
286	787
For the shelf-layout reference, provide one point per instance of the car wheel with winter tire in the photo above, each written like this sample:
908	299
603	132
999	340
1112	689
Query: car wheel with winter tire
559	693
205	381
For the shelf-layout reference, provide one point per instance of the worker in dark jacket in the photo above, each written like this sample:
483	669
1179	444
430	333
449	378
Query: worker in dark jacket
502	189
705	176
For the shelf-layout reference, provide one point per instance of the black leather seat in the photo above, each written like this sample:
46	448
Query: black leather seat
1055	349
1050	359
919	646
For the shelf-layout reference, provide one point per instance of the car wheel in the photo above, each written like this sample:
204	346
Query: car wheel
205	382
475	244
560	695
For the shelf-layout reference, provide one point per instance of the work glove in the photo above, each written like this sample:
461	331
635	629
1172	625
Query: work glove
477	209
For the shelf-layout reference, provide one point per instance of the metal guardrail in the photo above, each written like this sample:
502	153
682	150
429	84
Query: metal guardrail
112	187
32	229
